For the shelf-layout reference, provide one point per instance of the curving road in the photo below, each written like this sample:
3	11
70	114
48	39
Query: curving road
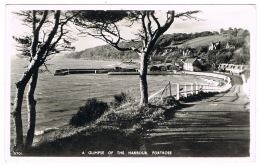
216	127
234	100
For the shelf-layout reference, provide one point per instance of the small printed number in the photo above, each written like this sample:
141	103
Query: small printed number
18	153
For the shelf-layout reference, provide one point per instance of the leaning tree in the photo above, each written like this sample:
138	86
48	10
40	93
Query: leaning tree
106	25
49	35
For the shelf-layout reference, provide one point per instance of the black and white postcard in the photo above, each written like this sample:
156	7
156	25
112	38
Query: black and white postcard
140	81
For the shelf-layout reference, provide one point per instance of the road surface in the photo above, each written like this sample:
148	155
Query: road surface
216	127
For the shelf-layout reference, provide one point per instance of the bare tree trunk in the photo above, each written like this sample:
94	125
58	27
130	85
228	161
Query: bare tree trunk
31	106
17	116
37	59
18	101
143	80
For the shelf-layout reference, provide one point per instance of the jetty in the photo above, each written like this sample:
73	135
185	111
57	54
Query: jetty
148	73
110	71
63	72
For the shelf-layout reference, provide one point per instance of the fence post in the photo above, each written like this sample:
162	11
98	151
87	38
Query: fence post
170	88
191	88
196	88
185	90
177	91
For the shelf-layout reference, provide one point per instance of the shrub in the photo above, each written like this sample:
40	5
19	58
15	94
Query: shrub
163	68
154	68
196	69
200	96
121	98
158	115
172	67
148	125
118	69
92	110
170	100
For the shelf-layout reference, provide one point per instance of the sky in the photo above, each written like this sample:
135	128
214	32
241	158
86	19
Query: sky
212	18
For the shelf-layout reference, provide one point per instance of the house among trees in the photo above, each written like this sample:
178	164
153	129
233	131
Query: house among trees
192	64
230	46
236	69
214	46
222	66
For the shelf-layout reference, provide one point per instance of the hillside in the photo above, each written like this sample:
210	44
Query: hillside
107	52
177	46
168	40
204	41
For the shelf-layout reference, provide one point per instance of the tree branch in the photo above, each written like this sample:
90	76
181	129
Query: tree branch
188	15
62	33
46	68
144	28
169	21
149	25
34	20
58	39
43	38
156	20
113	44
42	20
69	18
36	31
51	35
158	32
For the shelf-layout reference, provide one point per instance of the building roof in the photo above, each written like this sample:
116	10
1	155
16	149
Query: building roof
233	66
223	64
190	60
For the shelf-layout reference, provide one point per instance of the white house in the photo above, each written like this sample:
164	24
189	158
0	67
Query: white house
232	68
192	64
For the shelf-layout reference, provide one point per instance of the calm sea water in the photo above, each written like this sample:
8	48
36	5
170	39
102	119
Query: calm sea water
59	97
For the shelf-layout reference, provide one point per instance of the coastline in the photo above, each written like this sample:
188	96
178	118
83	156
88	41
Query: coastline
212	80
53	133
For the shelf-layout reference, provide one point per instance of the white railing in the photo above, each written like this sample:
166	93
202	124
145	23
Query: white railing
185	89
246	85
